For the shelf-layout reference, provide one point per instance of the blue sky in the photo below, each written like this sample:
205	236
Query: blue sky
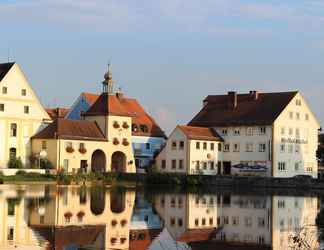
169	54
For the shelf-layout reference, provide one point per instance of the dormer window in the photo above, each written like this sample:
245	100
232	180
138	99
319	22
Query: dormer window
144	128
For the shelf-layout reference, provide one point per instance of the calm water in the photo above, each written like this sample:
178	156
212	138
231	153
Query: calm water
70	218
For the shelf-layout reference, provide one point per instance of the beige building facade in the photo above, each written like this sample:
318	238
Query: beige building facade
21	115
190	150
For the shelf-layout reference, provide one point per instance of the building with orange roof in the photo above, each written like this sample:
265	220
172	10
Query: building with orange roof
147	136
191	150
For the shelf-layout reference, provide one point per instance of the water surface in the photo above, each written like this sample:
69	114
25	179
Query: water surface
71	218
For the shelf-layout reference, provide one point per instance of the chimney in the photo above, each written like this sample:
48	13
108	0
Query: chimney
232	99
254	94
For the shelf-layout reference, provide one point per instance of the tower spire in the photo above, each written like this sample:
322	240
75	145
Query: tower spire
108	83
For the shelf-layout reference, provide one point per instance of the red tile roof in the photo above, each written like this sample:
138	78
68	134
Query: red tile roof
4	69
123	106
263	110
71	130
55	113
91	98
200	133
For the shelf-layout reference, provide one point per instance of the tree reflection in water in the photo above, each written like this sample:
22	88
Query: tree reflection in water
98	200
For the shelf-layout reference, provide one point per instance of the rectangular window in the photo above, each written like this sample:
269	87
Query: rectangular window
297	133
282	148
236	131
211	221
11	207
196	222
236	147
226	147
181	145
13	130
281	166
297	148
147	146
249	131
44	145
291	115
163	164
219	147
205	165
205	145
174	164
248	221
10	234
263	130
249	147
297	116
262	147
26	109
197	165
23	92
291	131
197	145
298	102
212	146
261	222
297	166
306	117
290	148
235	220
2	107
212	165
4	90
203	222
224	131
180	164
174	145
66	165
283	130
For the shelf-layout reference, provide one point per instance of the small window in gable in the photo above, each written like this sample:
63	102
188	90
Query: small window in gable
23	92
4	90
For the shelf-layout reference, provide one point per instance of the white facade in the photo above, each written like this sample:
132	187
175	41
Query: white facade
21	116
286	148
183	155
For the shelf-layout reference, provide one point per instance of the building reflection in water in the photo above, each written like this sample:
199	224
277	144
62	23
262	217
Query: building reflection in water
70	218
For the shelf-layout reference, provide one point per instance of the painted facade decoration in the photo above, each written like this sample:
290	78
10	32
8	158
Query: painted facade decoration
265	134
21	115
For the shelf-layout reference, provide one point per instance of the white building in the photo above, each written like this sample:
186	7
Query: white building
21	114
268	134
190	150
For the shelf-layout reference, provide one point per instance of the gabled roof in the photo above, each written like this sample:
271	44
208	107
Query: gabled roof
262	110
4	69
123	106
107	105
71	130
55	113
91	98
200	133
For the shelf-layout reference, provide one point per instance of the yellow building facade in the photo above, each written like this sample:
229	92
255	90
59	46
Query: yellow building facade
101	142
